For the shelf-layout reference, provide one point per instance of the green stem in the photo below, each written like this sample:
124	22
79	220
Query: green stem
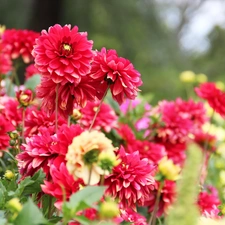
98	109
152	219
23	124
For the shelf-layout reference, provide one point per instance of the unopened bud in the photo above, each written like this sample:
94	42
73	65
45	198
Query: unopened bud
9	174
109	209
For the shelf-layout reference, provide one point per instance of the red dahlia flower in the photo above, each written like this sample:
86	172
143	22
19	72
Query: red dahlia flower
36	119
37	153
5	126
131	181
30	71
118	73
69	95
63	54
208	201
106	118
62	184
19	43
214	96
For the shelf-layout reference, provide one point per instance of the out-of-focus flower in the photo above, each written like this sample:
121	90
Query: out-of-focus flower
63	54
132	180
105	120
116	72
109	209
201	78
167	197
19	43
187	77
82	155
62	184
168	169
5	127
220	85
30	71
208	201
214	96
128	105
24	97
5	62
222	177
14	205
132	216
9	175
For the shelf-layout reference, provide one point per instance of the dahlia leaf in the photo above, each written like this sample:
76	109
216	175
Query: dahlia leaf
30	215
30	185
88	195
32	82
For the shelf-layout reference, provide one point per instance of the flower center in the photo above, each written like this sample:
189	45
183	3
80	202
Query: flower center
66	49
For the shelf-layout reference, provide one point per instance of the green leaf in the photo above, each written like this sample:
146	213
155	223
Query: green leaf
88	195
2	218
3	195
30	185
32	82
30	215
83	220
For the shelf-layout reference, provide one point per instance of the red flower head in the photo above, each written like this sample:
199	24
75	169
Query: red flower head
135	218
5	62
152	151
69	96
214	96
19	43
9	108
167	197
30	71
37	154
131	181
118	73
208	201
206	141
106	118
62	183
63	54
25	97
5	126
36	120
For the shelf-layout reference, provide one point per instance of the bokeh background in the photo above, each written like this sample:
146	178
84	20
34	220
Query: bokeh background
161	38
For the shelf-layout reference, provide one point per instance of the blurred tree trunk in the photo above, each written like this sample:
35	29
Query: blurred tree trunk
45	13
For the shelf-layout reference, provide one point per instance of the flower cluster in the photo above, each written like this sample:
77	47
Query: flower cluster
60	138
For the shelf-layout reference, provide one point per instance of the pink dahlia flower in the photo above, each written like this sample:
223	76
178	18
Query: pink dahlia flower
62	184
118	73
105	120
214	96
131	181
19	43
5	62
5	126
69	96
63	54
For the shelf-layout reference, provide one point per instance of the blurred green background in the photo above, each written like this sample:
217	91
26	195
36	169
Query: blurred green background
161	38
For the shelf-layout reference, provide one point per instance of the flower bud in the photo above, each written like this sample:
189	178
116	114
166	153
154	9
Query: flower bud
14	205
187	77
220	85
13	135
109	209
24	97
107	160
201	78
76	115
168	169
9	174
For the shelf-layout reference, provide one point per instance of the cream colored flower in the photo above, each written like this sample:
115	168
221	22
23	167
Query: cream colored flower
82	156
